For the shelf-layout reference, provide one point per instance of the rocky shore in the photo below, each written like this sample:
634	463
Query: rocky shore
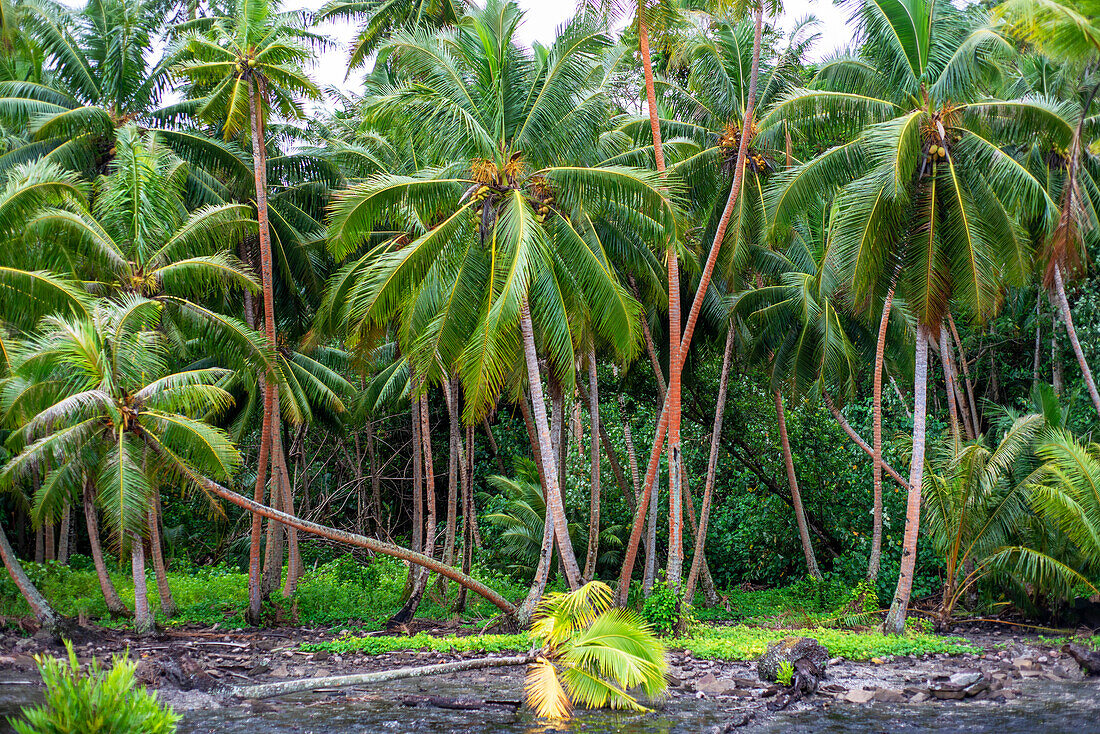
190	668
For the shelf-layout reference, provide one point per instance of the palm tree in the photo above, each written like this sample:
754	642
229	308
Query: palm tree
99	77
599	653
381	18
926	153
504	237
1065	35
120	416
252	63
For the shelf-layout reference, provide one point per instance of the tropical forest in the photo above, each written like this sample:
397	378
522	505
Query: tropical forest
515	366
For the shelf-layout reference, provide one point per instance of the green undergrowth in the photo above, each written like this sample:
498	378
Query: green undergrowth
740	642
344	590
423	642
744	642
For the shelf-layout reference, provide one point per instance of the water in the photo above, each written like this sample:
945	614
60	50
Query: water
1048	706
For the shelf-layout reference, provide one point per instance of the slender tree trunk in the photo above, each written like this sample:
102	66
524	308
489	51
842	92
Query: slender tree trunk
358	541
650	94
40	544
554	498
160	569
286	487
454	466
649	577
949	383
41	608
259	170
796	495
417	535
272	574
494	449
375	481
50	540
704	575
468	512
612	458
653	360
594	469
858	440
712	467
143	615
693	315
65	531
895	620
1055	354
110	595
875	561
1038	341
408	611
542	571
361	500
1067	320
975	417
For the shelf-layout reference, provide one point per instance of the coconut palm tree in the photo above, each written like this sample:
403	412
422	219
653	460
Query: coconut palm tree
118	414
926	189
250	64
379	19
598	652
505	241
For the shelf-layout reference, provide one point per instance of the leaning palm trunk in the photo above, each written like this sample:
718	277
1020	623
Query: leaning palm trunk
880	357
454	466
467	476
421	541
259	170
542	571
858	440
705	580
712	468
796	495
970	406
160	569
110	595
554	498
895	620
952	391
1067	320
693	315
594	470
286	491
41	608
371	544
143	615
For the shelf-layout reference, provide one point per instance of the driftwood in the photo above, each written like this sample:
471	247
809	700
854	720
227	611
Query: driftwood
807	676
283	688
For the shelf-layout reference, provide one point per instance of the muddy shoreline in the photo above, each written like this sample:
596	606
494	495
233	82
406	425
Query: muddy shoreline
190	667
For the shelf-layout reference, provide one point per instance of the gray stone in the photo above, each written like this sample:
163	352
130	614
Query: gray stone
966	677
1022	663
791	650
948	693
889	695
1070	670
919	697
710	685
859	695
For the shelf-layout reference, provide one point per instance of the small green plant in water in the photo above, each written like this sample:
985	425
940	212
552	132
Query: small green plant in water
785	673
94	702
592	654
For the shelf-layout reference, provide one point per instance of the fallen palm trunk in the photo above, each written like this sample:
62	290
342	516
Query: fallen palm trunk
360	541
283	688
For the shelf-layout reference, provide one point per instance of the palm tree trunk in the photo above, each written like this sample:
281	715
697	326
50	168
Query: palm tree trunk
417	535
65	531
554	498
50	540
975	417
293	551
375	481
468	511
494	449
361	500
705	579
631	553
39	545
949	383
712	467
1067	320
160	570
41	608
454	466
594	469
858	440
542	571
796	495
1038	343
273	547
110	594
650	94
612	458
143	615
259	170
895	620
875	561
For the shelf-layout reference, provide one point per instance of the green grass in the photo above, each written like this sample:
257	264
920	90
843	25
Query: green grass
743	642
340	591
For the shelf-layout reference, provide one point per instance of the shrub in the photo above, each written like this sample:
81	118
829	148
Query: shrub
98	701
662	608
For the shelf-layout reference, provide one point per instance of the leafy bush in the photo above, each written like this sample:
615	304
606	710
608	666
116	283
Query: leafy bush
377	645
96	701
741	642
662	609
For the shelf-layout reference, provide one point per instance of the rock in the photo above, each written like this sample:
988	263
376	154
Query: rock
791	650
947	692
1088	660
978	687
919	697
859	695
260	669
1023	663
1069	670
965	678
889	695
280	671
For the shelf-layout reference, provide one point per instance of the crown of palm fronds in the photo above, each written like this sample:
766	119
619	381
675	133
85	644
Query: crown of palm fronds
592	654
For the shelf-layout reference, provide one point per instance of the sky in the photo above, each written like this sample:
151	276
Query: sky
544	16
